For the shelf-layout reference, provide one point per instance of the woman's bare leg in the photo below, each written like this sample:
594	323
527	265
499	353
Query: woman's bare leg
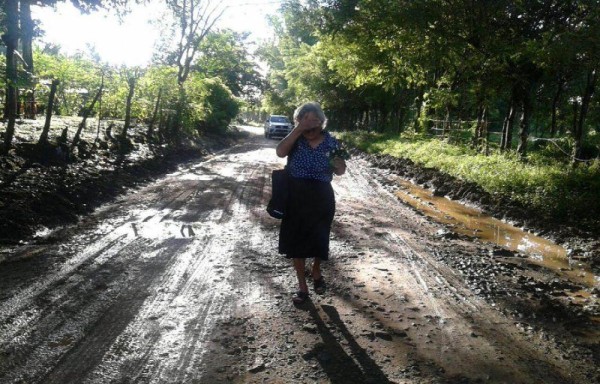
318	280
316	268
299	265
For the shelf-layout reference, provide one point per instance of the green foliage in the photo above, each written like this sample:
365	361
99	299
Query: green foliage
224	54
398	65
79	80
546	184
277	98
91	5
155	80
205	104
115	94
210	104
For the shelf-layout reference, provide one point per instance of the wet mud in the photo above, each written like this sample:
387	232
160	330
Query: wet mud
43	189
179	281
579	236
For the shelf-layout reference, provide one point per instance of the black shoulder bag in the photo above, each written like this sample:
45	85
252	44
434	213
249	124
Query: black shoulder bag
279	193
280	186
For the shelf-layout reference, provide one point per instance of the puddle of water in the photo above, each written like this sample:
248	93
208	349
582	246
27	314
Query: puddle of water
471	222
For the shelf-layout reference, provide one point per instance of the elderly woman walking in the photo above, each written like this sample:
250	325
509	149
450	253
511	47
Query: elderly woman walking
305	228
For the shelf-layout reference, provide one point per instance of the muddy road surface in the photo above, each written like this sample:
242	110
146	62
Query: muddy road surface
179	281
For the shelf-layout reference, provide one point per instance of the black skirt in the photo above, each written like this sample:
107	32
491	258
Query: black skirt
306	225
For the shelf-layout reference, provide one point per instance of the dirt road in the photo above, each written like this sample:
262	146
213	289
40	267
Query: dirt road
179	282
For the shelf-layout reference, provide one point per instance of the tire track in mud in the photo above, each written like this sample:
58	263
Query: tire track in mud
182	283
498	351
98	337
65	311
101	252
48	293
109	246
226	254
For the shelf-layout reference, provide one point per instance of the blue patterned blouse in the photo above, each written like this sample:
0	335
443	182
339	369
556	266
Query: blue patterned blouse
305	162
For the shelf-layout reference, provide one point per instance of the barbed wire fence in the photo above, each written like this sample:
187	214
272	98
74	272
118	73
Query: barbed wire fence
452	129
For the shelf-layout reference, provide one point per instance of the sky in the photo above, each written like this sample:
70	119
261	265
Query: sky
132	41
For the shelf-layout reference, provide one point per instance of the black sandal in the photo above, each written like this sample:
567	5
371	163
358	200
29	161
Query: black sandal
300	297
320	286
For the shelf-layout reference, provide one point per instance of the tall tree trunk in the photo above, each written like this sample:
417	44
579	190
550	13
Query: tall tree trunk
161	127
394	121
555	101
477	138
504	128
11	39
575	117
196	20
508	126
27	27
131	83
524	125
150	133
384	121
175	121
418	107
50	106
99	117
446	124
579	131
401	116
99	112
86	114
485	132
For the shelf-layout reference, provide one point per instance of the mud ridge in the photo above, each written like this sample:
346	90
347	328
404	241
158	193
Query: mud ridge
34	196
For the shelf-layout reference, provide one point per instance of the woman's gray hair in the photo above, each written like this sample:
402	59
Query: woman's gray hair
307	108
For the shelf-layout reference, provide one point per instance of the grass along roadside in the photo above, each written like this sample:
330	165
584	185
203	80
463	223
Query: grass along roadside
543	183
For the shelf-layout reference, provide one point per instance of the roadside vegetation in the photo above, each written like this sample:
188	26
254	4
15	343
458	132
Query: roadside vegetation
545	183
196	85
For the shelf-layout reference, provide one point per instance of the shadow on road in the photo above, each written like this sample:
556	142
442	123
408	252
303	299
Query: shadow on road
339	366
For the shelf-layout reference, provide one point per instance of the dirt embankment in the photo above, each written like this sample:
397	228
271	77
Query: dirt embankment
45	189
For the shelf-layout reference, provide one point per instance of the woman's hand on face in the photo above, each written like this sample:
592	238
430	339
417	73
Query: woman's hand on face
308	122
305	126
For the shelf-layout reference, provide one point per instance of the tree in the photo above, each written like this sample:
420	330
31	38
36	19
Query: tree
19	26
27	34
224	54
86	113
157	94
383	63
132	78
77	76
10	39
50	106
196	18
212	105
